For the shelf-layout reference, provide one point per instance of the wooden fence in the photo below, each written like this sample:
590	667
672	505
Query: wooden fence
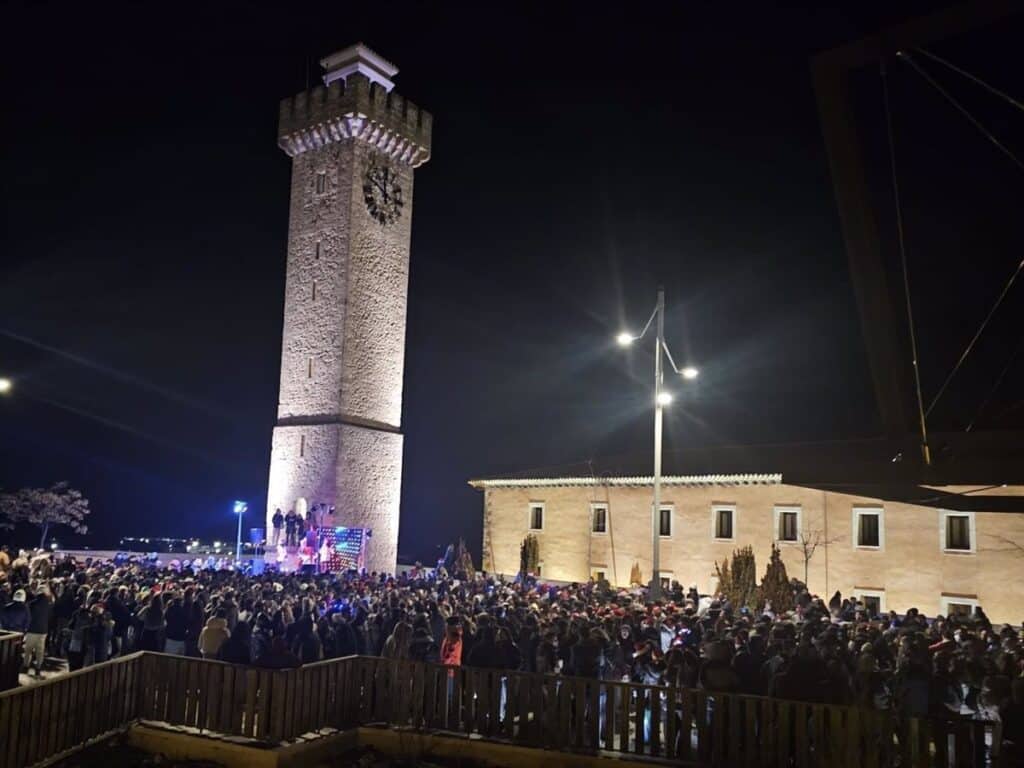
563	713
10	659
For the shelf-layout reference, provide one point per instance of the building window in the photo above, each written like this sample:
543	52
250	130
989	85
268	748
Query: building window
321	183
536	517
599	572
956	531
873	599
665	579
314	290
665	522
302	445
540	569
309	369
316	253
723	522
958	605
868	528
787	523
598	518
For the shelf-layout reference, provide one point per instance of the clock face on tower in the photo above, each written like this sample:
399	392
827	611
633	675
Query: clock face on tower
382	193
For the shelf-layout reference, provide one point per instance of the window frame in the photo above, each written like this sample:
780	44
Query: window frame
529	516
671	520
667	577
946	600
779	510
879	593
594	506
944	515
855	513
715	508
320	183
596	569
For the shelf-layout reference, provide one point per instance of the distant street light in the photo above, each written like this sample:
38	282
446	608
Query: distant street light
240	509
661	399
6	385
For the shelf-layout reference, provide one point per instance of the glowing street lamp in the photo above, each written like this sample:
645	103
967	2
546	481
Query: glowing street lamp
661	399
6	385
240	509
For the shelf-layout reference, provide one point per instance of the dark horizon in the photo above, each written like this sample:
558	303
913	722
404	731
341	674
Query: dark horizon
582	157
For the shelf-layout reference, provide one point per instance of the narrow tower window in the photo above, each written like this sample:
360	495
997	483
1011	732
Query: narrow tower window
316	255
314	290
309	372
302	445
321	183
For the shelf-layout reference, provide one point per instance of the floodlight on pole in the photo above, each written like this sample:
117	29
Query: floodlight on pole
661	399
240	509
6	385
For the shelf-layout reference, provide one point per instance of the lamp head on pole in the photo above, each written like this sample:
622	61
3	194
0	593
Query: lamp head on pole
241	507
5	386
664	398
689	372
624	339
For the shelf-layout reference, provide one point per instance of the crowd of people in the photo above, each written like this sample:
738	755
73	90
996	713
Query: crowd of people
830	652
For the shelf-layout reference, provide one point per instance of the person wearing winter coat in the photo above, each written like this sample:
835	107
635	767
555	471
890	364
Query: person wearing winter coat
81	631
153	625
174	634
422	646
237	649
214	635
451	645
40	609
15	616
397	645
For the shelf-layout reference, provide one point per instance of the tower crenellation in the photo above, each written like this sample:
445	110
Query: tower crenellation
355	108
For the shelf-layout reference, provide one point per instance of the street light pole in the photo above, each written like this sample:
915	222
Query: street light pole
655	590
240	509
662	397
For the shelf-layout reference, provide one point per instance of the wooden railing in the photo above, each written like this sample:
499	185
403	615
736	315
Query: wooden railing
64	712
10	659
563	713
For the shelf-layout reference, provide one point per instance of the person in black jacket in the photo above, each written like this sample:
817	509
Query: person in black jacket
237	649
40	609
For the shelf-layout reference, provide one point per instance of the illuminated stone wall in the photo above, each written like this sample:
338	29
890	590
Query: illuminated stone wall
910	567
338	436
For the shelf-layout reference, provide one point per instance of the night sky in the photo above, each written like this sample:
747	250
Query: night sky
583	154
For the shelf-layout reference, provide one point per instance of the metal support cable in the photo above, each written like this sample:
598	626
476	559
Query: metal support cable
903	260
976	80
977	335
961	109
995	387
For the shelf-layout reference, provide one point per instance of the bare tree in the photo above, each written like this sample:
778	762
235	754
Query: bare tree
47	508
809	542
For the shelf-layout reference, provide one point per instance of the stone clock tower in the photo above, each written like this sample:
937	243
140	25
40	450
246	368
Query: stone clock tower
354	145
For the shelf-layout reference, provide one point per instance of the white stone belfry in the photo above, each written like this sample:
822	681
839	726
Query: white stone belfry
354	144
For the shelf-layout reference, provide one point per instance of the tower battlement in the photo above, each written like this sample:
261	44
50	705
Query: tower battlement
355	108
